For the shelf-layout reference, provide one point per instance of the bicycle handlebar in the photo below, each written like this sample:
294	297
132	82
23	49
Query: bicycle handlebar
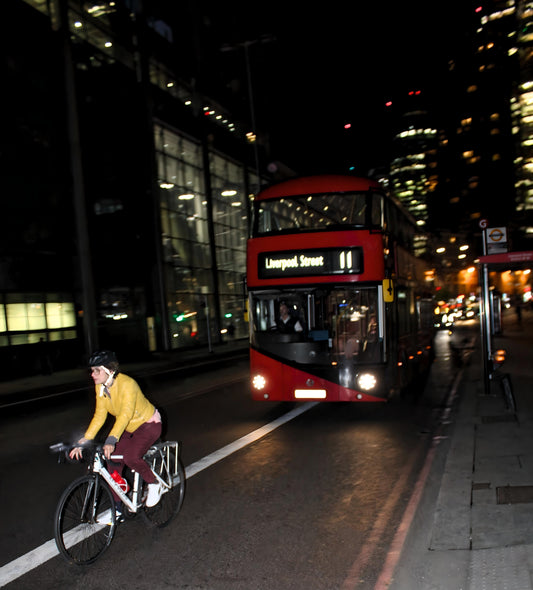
63	451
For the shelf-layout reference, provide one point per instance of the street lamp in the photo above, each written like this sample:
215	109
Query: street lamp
246	46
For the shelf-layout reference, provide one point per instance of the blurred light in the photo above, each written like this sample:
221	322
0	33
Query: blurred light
388	103
259	382
186	197
499	356
228	193
367	381
347	126
119	316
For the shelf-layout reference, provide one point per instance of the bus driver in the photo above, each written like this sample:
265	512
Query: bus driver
287	323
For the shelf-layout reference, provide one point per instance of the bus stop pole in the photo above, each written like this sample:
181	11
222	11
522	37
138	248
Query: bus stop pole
485	327
485	319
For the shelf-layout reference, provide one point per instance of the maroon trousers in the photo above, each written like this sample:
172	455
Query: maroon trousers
133	445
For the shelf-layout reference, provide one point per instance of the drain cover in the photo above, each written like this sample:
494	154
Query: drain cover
514	495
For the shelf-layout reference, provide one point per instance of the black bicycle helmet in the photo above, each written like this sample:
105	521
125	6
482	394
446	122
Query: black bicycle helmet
103	358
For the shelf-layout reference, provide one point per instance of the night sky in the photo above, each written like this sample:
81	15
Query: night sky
334	64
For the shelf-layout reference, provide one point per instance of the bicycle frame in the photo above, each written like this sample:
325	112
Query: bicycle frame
164	477
99	467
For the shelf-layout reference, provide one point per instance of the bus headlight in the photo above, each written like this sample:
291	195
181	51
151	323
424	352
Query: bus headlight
367	381
258	382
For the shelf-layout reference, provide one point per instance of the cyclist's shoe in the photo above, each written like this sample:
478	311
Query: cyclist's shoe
119	516
154	494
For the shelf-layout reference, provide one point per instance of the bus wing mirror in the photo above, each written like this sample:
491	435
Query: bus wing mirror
388	290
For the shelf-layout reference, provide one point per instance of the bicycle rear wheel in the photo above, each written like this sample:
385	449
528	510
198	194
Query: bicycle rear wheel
85	520
171	501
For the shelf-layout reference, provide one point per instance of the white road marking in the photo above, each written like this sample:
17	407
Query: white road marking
248	439
22	565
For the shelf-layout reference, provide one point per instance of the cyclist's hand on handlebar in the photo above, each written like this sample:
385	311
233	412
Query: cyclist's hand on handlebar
108	450
77	452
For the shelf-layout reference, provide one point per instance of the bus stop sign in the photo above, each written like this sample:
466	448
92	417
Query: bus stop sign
496	240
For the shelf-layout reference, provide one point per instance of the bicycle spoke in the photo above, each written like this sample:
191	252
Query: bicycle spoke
85	520
168	466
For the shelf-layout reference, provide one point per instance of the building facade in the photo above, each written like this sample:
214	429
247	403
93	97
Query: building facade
127	190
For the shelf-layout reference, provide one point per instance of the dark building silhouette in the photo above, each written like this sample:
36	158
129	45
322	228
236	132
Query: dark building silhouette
126	189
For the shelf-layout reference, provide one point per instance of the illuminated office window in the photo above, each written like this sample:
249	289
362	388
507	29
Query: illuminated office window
27	318
60	315
17	318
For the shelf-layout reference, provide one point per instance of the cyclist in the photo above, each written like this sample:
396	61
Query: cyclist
137	422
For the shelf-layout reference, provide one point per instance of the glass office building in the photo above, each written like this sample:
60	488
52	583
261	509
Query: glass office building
129	214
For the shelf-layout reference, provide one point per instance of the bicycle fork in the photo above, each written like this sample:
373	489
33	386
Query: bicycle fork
89	507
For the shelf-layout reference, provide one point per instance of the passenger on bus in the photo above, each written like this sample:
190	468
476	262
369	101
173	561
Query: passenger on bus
371	347
287	323
352	348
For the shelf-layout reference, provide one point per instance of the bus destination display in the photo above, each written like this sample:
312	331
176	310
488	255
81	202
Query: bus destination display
297	263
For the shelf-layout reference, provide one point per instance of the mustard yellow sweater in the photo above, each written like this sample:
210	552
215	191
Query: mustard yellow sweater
126	402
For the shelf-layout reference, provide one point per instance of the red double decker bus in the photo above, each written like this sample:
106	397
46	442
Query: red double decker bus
338	304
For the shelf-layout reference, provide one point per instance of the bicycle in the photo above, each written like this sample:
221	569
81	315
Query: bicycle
85	520
504	379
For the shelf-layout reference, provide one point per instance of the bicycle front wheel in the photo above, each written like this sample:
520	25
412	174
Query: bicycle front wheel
170	503
85	520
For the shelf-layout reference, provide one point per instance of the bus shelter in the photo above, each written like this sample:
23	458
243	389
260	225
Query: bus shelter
490	305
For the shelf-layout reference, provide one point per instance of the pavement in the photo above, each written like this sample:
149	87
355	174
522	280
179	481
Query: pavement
479	532
487	487
18	393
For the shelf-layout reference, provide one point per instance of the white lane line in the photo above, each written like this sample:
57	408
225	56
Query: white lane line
248	439
22	565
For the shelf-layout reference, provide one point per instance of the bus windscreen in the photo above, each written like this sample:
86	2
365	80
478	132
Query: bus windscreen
309	212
